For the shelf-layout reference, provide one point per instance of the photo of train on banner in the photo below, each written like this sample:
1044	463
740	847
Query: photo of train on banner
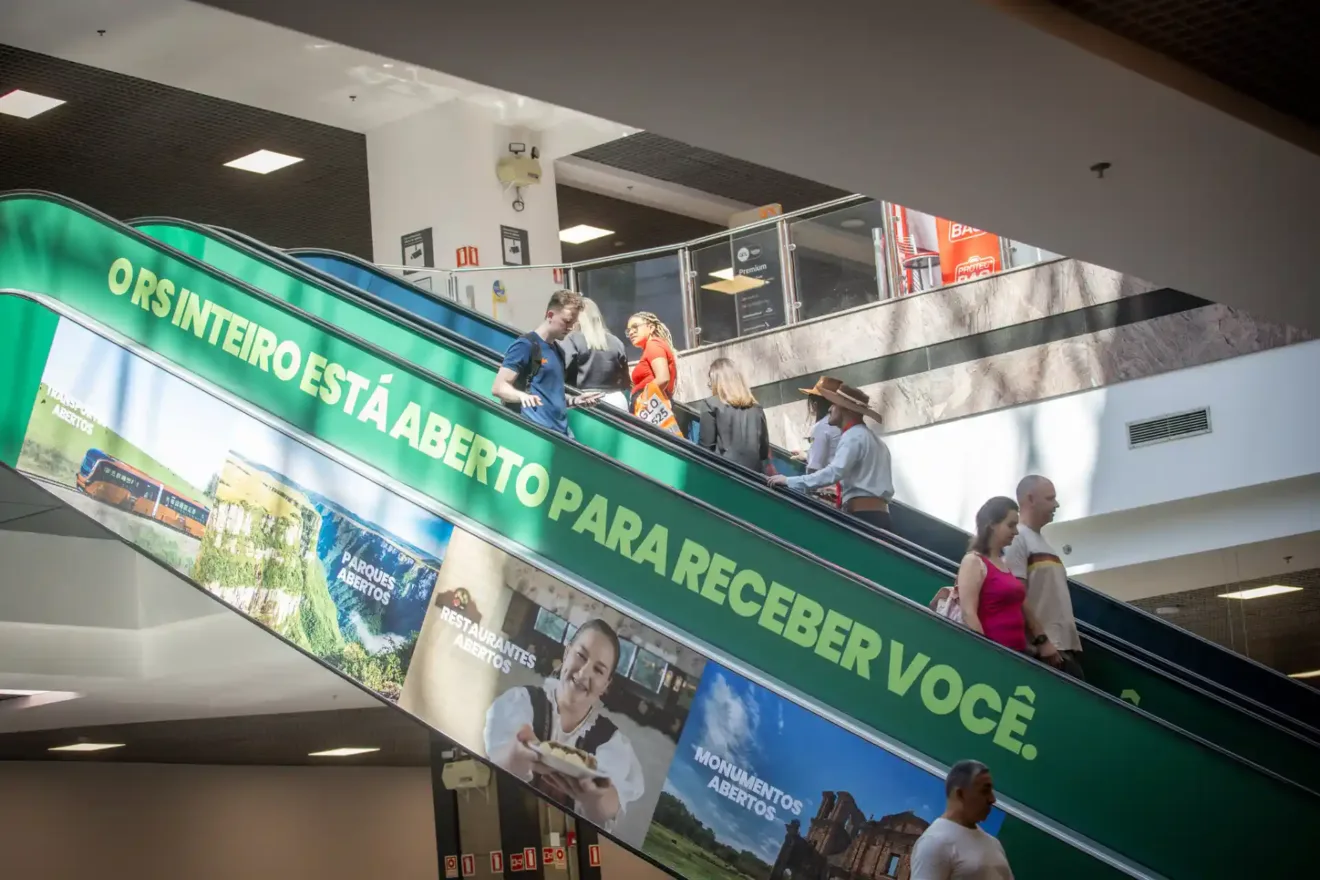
111	481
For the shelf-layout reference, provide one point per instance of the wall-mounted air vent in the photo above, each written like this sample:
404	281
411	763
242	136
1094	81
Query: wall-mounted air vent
1171	427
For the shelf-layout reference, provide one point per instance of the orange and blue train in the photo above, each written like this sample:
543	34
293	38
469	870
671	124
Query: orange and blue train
111	481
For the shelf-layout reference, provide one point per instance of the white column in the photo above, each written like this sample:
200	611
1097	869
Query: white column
436	169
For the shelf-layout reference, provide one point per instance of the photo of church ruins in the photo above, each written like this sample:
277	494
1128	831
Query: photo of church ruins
842	844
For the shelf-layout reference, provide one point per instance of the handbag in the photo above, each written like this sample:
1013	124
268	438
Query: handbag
653	407
946	604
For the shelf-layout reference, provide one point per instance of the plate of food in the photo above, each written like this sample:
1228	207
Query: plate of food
570	761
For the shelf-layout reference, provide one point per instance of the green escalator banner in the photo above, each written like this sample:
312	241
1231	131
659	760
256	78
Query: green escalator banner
454	629
1183	706
1086	760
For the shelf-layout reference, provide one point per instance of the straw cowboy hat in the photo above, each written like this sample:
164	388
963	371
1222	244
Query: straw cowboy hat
846	396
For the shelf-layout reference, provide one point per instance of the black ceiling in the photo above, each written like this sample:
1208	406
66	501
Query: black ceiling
130	147
1264	49
250	739
1278	631
636	227
673	161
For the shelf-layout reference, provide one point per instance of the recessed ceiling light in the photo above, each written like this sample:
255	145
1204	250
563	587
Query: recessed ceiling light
1310	673
853	223
318	45
1168	610
583	233
87	747
340	753
387	65
1260	592
263	162
9	692
726	274
25	105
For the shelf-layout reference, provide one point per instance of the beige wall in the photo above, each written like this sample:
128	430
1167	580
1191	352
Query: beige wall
63	821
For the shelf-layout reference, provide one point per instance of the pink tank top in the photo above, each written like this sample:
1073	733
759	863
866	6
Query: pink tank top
1000	608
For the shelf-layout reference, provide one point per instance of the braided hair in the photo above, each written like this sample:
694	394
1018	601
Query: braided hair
658	328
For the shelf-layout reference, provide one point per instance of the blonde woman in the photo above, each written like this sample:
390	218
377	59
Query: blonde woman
732	422
597	360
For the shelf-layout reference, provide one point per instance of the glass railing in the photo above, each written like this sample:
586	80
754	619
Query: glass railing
772	273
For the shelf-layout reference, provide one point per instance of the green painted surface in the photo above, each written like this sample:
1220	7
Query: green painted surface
26	331
1094	765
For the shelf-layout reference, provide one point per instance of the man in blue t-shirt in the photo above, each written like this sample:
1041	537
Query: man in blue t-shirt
538	389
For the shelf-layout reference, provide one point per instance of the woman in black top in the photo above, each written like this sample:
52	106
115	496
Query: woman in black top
595	359
732	422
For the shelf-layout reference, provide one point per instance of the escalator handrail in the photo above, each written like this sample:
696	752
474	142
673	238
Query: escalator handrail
432	505
1159	663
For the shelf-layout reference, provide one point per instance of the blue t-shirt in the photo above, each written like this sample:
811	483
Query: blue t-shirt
547	384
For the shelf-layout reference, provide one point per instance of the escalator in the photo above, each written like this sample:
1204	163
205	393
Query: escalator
420	329
1108	626
643	531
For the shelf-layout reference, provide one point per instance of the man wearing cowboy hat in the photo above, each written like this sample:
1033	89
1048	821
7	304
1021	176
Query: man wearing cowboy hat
861	463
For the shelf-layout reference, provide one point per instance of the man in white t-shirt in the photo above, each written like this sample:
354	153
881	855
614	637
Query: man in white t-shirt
953	847
1037	564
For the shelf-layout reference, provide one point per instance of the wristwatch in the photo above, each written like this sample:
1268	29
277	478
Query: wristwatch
1040	640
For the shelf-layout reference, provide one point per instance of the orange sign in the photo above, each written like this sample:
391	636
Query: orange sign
593	855
561	857
466	256
966	252
515	861
653	406
451	866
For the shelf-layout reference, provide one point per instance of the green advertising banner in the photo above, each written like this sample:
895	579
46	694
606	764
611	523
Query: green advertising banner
1185	707
1091	763
464	635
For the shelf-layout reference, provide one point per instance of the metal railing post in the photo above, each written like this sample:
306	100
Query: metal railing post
892	270
788	274
686	276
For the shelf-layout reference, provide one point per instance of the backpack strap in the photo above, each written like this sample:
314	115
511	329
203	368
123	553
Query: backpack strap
602	730
523	380
540	712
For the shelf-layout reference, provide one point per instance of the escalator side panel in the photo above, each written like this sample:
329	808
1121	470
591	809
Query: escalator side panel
909	692
1136	682
458	631
26	331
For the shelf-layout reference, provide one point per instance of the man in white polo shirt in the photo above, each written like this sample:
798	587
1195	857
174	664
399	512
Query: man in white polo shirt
1031	558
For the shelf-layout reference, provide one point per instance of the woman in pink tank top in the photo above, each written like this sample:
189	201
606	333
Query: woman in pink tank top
992	599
